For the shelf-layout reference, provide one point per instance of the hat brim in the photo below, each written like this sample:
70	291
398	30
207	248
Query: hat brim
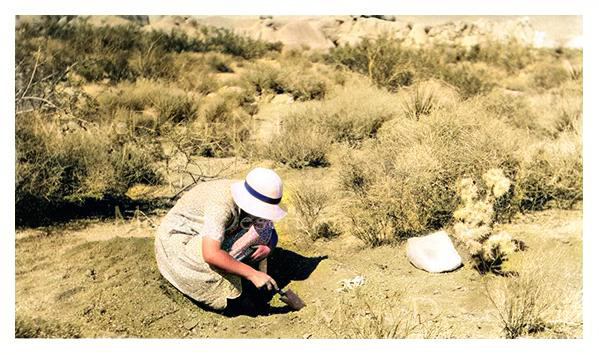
253	206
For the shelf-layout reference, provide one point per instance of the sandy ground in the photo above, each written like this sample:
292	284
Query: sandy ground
98	278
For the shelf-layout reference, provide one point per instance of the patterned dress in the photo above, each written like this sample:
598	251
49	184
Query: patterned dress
207	210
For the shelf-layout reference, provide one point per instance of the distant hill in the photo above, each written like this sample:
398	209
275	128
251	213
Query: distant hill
323	32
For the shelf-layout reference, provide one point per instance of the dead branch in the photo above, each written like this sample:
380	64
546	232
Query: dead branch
37	59
39	99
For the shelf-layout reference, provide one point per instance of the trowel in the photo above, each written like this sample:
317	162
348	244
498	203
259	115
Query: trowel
291	299
288	297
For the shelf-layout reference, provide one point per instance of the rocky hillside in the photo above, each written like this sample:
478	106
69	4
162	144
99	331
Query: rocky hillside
324	32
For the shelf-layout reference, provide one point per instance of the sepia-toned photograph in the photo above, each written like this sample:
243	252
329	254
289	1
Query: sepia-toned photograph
298	176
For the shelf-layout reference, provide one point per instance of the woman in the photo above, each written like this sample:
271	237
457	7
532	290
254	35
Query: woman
200	242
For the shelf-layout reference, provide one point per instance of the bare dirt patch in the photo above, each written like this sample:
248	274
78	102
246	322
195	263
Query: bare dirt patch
101	281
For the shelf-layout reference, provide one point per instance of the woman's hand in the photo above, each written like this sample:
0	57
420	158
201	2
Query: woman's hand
261	252
260	279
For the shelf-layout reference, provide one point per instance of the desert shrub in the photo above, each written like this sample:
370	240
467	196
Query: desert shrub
357	315
219	63
134	96
213	39
513	109
419	102
302	86
521	304
550	162
465	79
124	52
567	120
56	167
57	58
309	202
373	216
154	102
176	108
567	113
135	123
94	52
511	56
40	69
409	170
193	74
298	144
263	78
221	128
575	71
531	301
546	76
354	171
112	65
551	173
383	60
353	113
226	41
558	110
425	96
392	66
153	63
202	83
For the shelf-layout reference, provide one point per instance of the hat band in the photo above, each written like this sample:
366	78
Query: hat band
259	196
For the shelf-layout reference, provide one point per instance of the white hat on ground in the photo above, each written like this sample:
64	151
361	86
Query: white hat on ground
259	194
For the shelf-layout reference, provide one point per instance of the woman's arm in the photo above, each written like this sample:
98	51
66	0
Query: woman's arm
262	251
219	258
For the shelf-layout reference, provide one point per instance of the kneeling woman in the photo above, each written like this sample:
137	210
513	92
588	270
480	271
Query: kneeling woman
201	242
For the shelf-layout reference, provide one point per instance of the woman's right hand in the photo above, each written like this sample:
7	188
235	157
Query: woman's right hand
260	279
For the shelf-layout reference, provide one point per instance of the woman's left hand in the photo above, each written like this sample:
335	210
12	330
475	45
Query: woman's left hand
260	253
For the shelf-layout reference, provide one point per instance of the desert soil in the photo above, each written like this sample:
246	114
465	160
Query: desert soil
98	278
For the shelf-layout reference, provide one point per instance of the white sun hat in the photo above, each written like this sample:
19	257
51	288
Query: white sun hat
259	194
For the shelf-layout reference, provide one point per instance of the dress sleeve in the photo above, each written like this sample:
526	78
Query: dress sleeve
265	229
215	221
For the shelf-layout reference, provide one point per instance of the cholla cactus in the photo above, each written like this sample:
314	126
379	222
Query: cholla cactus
474	221
497	182
498	243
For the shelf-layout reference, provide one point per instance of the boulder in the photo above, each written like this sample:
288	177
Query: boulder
519	30
352	32
103	20
265	31
433	253
299	34
329	26
418	35
187	24
141	20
